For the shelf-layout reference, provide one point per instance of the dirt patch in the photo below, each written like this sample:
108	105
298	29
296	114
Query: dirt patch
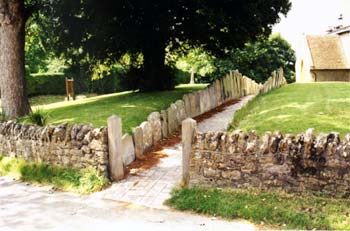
153	156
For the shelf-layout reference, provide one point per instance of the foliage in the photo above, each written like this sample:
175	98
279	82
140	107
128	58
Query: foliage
81	181
259	59
296	107
196	61
39	56
54	83
132	107
46	84
105	31
38	117
282	210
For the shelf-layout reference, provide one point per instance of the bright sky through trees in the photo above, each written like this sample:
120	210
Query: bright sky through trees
310	17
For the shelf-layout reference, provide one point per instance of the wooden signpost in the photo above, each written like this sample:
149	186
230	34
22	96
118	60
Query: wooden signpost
70	89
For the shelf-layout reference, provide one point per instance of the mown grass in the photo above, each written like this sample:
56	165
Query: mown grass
276	209
41	100
132	107
67	179
296	107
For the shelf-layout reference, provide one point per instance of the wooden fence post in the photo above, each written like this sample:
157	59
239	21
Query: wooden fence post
116	165
188	131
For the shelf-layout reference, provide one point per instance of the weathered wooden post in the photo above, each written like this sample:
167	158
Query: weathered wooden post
188	131
116	165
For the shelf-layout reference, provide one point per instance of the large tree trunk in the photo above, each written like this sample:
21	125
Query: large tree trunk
12	72
155	74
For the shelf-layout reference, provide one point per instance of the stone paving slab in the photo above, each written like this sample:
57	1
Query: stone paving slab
26	207
152	187
221	120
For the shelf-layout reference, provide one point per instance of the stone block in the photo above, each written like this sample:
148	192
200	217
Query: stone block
128	149
187	102
154	120
181	111
172	119
147	135
164	123
138	141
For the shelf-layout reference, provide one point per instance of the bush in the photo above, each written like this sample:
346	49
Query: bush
46	84
54	84
82	181
38	117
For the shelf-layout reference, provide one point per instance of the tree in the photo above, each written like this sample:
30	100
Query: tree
196	61
13	16
258	59
107	29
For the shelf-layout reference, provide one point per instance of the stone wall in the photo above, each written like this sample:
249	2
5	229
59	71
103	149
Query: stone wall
78	146
273	161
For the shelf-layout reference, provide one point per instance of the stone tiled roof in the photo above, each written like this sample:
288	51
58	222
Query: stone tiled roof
327	52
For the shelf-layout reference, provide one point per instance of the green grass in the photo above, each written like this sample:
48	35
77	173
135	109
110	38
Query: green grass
132	107
282	210
41	100
67	179
296	107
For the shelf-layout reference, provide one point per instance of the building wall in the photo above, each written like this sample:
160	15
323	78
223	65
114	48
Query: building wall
332	75
345	38
303	62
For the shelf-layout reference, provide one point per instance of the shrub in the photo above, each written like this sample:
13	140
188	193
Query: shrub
81	181
46	84
38	117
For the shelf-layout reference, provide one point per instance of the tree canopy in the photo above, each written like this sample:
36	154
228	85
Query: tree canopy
258	59
106	29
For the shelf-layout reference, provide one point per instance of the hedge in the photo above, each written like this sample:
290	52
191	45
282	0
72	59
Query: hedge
54	84
46	84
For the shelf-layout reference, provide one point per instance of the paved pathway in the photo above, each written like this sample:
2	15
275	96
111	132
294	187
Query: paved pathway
152	187
26	207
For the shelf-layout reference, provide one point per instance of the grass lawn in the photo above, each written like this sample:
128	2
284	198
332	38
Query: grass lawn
67	179
280	210
296	107
41	100
132	107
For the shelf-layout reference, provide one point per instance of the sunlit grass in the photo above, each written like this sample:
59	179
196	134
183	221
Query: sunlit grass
49	99
277	209
68	179
296	107
132	107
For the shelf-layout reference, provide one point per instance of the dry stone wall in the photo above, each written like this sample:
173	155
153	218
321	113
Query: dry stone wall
78	146
273	161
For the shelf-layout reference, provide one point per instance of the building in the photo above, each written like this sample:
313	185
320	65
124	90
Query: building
325	57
